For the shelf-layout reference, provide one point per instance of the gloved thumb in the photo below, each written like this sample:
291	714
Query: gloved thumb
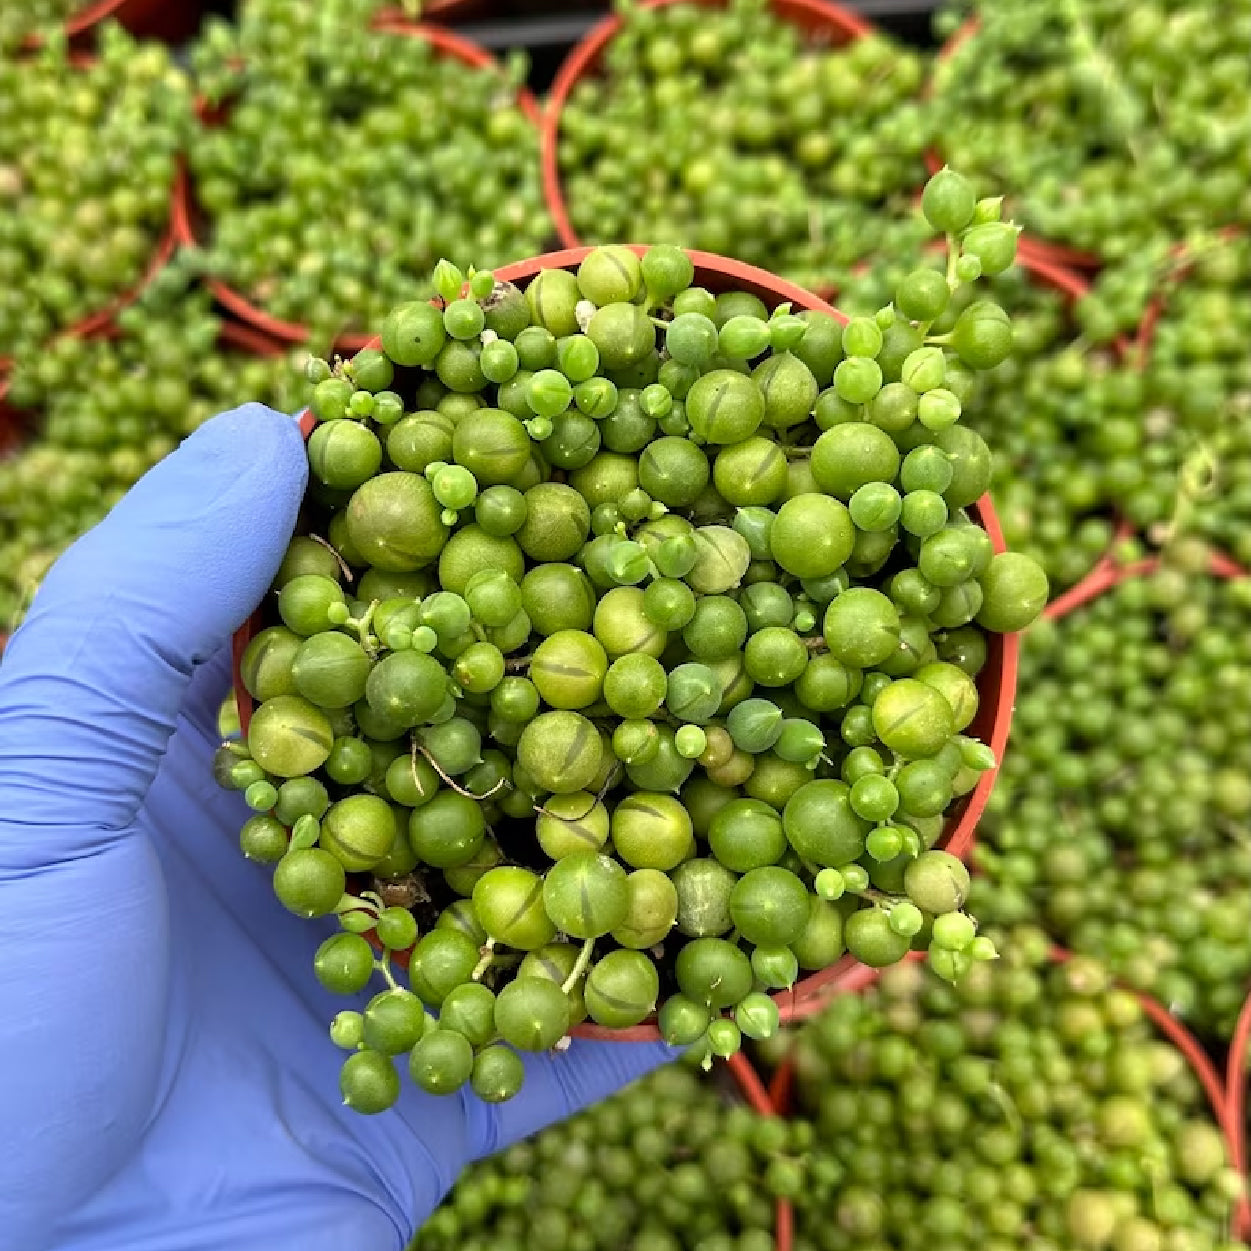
92	683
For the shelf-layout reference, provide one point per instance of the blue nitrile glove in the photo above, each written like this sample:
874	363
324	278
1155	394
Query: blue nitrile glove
167	1081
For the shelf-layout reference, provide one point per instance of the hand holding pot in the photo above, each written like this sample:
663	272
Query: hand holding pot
166	1080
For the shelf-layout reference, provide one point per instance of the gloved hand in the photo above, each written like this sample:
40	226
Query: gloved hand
166	1077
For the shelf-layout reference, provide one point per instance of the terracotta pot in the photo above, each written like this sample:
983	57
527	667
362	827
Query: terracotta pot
832	23
996	683
187	222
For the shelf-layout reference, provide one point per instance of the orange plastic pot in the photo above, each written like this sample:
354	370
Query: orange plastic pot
1054	253
1235	1120
187	218
1221	1101
996	683
817	18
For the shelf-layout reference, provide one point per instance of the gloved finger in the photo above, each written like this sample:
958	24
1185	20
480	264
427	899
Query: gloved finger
93	682
557	1085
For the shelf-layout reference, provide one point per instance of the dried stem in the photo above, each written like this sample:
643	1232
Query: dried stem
487	951
460	790
344	567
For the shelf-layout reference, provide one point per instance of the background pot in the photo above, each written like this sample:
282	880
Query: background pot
831	23
188	227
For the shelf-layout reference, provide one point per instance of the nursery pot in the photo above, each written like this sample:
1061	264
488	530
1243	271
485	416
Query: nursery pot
1224	1104
817	18
188	226
996	683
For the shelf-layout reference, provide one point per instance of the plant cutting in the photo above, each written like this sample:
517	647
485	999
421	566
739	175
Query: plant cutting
637	676
1074	448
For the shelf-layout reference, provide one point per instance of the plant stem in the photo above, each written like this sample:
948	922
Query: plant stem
361	626
579	967
488	955
384	967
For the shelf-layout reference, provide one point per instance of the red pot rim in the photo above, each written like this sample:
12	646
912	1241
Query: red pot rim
103	322
439	10
1235	1122
1108	574
93	14
996	683
1049	272
1062	254
582	59
1056	253
447	44
1145	334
